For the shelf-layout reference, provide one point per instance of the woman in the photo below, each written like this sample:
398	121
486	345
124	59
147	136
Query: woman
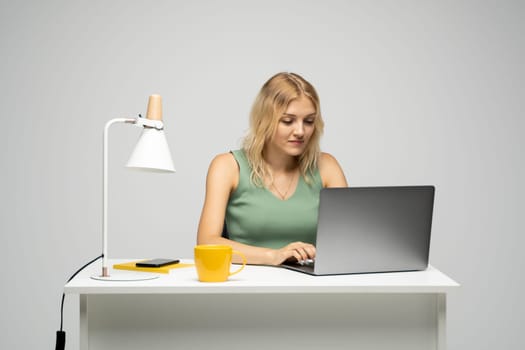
267	194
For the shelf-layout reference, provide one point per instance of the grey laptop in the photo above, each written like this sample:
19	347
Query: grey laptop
372	229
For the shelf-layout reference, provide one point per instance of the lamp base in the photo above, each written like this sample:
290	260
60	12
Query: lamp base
125	277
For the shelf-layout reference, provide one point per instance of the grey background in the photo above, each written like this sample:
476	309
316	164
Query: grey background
413	92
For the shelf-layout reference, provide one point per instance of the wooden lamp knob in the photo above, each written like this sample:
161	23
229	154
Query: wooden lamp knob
154	108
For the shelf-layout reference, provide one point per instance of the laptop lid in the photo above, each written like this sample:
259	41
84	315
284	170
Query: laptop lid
373	229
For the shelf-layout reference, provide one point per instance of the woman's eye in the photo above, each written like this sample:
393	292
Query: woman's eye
286	121
309	121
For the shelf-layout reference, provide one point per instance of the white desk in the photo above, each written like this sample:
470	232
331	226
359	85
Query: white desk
265	308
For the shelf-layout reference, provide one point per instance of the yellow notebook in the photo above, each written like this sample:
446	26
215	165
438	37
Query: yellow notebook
163	269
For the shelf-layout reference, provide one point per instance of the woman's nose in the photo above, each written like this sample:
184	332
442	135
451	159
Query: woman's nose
299	130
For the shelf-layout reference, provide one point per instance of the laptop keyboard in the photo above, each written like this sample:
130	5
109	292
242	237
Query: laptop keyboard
307	262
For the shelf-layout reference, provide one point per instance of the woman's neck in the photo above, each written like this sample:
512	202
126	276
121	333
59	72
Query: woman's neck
280	163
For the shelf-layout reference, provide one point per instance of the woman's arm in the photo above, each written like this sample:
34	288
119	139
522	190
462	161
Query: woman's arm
221	181
331	172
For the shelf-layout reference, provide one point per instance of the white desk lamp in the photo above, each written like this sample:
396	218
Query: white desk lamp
151	153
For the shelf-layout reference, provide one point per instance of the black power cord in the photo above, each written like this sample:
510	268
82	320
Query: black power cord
61	335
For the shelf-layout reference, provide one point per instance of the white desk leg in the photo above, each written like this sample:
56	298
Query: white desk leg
83	332
441	301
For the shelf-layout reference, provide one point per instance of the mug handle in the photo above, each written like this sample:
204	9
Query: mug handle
243	262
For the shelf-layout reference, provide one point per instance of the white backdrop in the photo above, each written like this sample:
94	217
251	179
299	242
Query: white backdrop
412	92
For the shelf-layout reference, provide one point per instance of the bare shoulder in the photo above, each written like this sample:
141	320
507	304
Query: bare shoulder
331	172
327	162
223	168
327	158
224	160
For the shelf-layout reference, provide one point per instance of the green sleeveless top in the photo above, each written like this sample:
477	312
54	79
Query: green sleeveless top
255	216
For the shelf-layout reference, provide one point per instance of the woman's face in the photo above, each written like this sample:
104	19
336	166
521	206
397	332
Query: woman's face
295	128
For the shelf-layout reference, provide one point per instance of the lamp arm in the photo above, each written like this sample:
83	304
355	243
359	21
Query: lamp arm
149	123
105	191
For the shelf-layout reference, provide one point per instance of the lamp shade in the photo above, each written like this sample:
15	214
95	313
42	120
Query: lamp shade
152	152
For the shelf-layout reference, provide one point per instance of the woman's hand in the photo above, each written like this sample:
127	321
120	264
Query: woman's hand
297	250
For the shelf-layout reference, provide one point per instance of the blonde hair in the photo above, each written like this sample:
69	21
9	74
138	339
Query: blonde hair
270	104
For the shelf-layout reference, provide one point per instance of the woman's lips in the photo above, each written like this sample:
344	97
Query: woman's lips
296	142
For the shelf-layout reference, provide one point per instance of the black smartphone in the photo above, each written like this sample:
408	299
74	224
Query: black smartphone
156	262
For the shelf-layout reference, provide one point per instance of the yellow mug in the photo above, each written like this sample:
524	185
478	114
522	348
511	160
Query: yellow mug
213	262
